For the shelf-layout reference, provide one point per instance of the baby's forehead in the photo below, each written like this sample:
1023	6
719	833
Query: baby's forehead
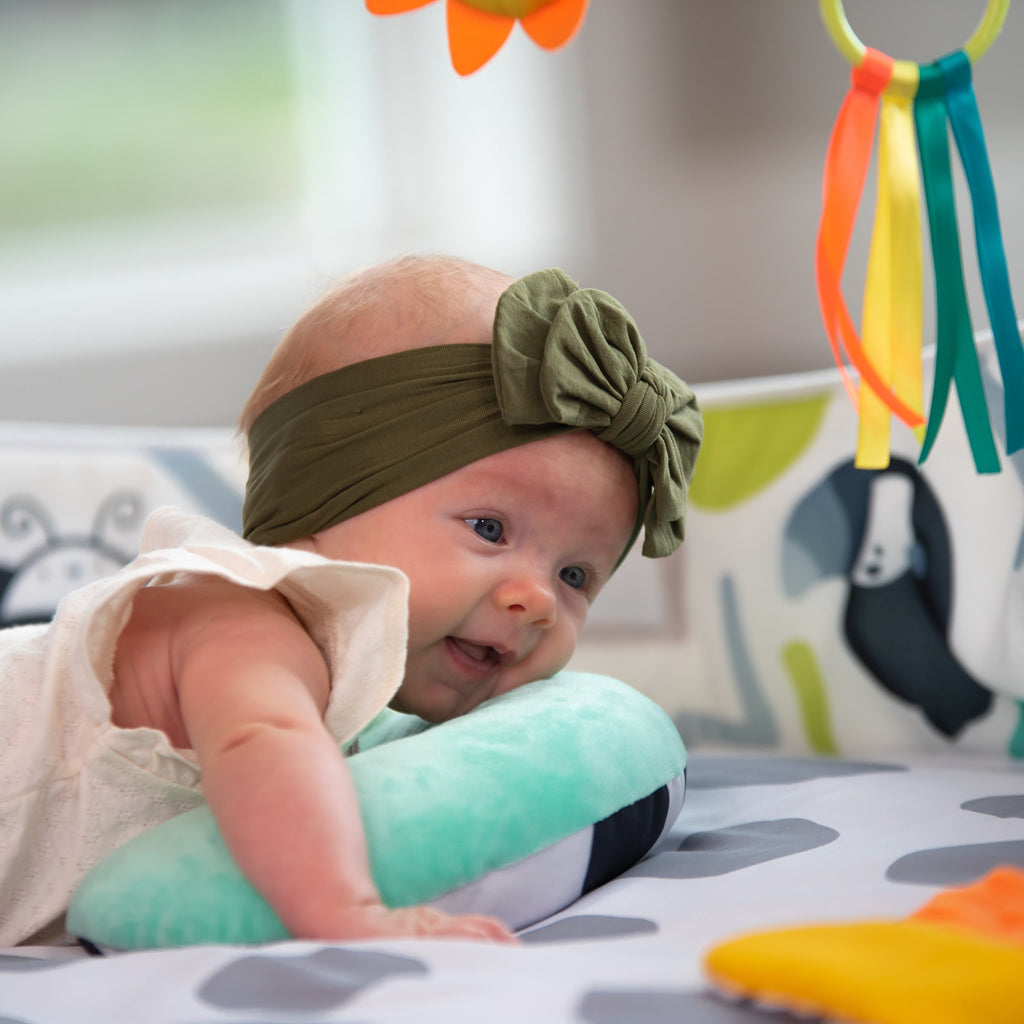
575	448
575	460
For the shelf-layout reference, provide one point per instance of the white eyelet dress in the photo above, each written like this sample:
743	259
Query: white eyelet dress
73	786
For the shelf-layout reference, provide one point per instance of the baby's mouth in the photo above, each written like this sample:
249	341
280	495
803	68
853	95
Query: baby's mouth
482	654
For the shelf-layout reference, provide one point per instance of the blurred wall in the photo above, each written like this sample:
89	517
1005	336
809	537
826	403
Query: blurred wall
708	124
699	130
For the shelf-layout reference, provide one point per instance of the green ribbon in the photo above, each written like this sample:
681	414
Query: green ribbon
955	355
562	359
965	121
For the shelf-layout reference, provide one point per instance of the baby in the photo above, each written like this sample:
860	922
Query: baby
446	466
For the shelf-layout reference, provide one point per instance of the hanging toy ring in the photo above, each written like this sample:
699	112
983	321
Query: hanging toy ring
852	48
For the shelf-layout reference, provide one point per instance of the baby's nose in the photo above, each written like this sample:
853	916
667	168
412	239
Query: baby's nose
531	596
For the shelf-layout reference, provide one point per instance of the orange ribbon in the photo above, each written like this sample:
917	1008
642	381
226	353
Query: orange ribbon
846	168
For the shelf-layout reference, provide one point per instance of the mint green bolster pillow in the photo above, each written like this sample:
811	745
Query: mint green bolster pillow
515	810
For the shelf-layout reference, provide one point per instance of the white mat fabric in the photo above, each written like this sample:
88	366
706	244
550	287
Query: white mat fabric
762	842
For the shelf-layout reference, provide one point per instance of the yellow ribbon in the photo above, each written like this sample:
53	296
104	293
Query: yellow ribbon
894	289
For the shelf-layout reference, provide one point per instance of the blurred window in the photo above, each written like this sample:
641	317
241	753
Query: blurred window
196	169
116	110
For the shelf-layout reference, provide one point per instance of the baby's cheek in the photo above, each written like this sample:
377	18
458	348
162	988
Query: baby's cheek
560	653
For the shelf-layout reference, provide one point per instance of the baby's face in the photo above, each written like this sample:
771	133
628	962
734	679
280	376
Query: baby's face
504	558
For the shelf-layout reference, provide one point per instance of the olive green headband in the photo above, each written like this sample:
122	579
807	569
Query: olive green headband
562	358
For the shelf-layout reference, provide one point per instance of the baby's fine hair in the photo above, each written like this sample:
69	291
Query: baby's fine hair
407	303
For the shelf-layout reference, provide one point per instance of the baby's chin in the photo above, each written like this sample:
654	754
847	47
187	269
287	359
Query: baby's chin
434	716
438	702
397	704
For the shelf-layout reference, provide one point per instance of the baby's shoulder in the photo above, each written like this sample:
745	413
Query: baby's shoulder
171	624
199	602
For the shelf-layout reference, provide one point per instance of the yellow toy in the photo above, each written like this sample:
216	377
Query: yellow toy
957	960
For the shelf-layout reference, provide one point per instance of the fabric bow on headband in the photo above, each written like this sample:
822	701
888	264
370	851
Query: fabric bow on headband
574	356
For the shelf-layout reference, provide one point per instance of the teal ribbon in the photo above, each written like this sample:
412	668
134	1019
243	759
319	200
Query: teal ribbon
955	355
970	139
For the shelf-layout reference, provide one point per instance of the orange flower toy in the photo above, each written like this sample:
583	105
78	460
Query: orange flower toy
477	29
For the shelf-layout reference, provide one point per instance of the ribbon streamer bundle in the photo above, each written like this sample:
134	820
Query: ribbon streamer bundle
911	106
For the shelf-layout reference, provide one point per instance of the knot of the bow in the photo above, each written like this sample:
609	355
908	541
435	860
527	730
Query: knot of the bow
639	421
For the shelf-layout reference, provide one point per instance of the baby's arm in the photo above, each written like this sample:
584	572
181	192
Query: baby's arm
252	688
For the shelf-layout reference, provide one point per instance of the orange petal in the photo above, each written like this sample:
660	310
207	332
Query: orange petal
394	6
474	37
993	906
554	24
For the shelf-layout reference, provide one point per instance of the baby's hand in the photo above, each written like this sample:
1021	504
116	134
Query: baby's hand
426	922
377	921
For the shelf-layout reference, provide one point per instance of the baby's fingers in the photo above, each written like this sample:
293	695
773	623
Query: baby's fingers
428	922
475	926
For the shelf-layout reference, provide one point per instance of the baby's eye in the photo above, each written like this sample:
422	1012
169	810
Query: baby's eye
573	575
490	529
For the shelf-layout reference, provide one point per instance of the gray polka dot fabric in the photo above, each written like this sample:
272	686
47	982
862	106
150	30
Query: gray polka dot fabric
315	983
762	842
619	1006
577	927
